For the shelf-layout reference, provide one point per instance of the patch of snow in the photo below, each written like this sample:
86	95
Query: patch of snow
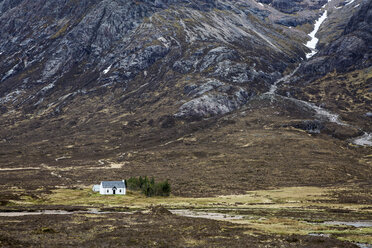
261	4
338	7
61	158
106	85
145	73
349	2
356	6
107	70
165	42
9	73
314	41
143	85
62	98
55	174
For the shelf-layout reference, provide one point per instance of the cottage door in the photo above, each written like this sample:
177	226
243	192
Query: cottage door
114	190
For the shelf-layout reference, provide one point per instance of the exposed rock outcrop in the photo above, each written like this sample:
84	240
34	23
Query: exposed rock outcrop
351	51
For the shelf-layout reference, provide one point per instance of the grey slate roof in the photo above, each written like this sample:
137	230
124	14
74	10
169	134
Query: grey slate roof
111	184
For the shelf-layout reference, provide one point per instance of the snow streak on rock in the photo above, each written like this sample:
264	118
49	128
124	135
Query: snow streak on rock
349	2
314	41
107	70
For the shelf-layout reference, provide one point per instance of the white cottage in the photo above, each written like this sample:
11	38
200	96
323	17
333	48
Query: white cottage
111	188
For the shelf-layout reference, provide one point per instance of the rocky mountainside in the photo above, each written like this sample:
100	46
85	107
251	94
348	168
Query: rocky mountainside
339	75
65	48
165	86
350	51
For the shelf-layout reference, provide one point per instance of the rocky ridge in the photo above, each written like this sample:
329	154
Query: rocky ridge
80	47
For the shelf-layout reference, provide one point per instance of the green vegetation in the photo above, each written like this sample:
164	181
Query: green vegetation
149	187
44	230
61	31
280	211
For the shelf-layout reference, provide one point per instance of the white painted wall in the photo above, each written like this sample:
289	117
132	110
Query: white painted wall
109	191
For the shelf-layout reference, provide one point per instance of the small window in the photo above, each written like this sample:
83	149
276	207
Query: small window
107	191
119	190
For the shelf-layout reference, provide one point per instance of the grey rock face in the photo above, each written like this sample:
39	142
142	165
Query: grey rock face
6	5
194	90
217	55
235	72
292	6
212	98
109	22
139	61
293	21
63	50
352	50
185	66
213	104
199	62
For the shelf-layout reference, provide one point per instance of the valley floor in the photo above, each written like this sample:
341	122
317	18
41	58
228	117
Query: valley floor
281	217
256	178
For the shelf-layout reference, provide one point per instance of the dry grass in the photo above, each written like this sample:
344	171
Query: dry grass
282	198
281	211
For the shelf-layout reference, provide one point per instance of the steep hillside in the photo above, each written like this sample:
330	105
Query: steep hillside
182	89
339	76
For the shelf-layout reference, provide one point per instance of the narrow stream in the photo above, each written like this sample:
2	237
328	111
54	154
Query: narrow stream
361	245
274	86
366	138
321	113
366	223
228	217
56	212
206	215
